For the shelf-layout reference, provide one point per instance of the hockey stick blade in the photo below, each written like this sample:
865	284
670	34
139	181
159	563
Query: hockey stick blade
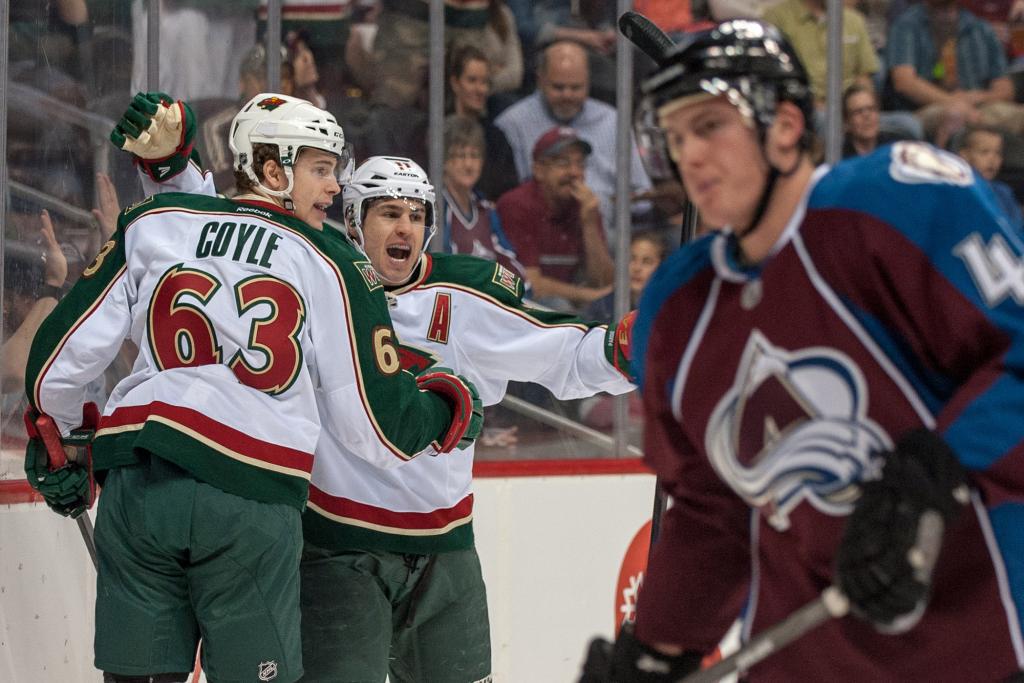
646	35
831	604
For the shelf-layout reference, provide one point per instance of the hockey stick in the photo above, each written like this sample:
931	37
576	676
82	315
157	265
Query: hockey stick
645	35
88	535
687	233
83	520
56	458
831	604
654	43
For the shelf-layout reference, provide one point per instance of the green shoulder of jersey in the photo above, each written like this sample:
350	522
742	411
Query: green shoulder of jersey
486	277
495	281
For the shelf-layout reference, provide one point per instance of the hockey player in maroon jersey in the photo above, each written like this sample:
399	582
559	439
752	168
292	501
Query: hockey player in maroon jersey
833	384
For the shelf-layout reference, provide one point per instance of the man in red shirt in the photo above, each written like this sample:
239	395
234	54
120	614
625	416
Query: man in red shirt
554	222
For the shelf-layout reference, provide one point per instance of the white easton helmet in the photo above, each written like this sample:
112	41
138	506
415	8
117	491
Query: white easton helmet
395	177
289	124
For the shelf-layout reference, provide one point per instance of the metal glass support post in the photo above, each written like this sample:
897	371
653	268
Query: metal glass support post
435	128
623	224
153	45
273	45
5	193
834	82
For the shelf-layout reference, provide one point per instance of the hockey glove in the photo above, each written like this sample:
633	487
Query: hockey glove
65	481
462	396
618	342
630	661
893	537
159	132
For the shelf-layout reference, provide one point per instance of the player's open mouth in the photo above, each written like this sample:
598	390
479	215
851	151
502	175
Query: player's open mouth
322	206
399	252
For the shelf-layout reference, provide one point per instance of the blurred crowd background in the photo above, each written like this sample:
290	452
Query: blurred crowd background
527	168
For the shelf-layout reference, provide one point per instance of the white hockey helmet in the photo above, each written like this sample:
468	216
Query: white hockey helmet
394	177
289	124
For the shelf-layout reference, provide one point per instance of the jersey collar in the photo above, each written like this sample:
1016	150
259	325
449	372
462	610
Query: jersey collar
419	276
725	247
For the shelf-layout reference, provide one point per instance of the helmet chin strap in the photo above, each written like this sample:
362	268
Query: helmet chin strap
766	194
284	195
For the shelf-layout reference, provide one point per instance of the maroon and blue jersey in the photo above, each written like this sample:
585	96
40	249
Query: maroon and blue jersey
893	300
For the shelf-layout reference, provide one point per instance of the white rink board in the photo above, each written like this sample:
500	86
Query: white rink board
551	549
47	591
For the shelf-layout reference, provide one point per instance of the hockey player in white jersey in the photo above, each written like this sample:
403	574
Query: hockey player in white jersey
406	597
248	318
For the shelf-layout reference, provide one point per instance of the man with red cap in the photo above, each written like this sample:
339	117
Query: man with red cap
554	222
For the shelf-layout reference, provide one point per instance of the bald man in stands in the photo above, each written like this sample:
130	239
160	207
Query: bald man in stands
563	99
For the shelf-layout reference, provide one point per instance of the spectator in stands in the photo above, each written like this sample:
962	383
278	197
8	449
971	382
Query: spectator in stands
948	66
722	10
554	222
51	34
590	23
471	223
674	17
861	122
982	148
202	45
106	211
562	99
469	85
876	17
325	25
401	47
647	249
803	23
999	14
214	127
32	287
305	75
399	66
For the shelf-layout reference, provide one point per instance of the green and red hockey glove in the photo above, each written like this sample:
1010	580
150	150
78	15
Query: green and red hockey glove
894	534
159	132
618	343
60	468
462	396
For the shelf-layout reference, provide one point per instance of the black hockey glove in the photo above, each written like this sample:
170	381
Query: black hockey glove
630	661
893	537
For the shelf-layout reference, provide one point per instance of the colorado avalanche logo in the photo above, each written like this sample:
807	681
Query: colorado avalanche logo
794	427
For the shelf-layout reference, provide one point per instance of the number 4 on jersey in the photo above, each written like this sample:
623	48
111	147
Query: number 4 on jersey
182	335
995	267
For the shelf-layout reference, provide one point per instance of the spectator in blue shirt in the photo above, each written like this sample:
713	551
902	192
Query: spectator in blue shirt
948	66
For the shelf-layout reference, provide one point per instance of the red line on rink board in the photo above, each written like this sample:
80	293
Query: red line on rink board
18	490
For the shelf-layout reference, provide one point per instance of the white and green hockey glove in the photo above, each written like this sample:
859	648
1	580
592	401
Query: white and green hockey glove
159	132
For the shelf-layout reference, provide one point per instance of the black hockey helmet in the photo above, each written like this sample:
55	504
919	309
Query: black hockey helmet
749	62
